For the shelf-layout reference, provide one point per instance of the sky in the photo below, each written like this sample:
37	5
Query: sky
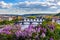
29	6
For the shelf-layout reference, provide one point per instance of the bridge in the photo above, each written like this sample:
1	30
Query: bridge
27	21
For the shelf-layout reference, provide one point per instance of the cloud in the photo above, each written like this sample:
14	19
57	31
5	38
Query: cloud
30	6
50	0
21	12
53	7
28	3
5	5
58	3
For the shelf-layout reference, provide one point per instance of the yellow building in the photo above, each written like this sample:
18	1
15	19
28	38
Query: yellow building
20	17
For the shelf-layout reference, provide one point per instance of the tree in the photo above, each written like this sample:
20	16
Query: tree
31	17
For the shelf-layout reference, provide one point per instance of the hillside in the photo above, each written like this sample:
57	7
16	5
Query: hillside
25	15
57	14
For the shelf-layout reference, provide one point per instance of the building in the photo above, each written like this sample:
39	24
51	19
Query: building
57	20
9	18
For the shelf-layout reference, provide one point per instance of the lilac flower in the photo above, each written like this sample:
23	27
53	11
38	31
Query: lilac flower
30	26
6	32
34	30
18	33
30	34
38	29
1	30
44	29
7	28
43	35
29	30
24	34
51	38
18	26
51	27
37	36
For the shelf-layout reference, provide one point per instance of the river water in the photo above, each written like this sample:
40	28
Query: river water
26	25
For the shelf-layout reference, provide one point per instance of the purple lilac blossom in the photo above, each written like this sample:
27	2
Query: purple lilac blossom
1	30
38	29
44	29
7	28
6	32
51	38
18	33
43	35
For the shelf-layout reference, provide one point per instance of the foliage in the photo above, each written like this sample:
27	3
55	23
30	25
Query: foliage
5	22
31	17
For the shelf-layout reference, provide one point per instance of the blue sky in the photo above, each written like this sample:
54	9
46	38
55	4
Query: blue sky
29	6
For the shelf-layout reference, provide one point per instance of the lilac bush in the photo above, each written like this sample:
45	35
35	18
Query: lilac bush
5	30
31	33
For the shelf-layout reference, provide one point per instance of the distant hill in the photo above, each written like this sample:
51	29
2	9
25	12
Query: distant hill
40	14
57	14
24	15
